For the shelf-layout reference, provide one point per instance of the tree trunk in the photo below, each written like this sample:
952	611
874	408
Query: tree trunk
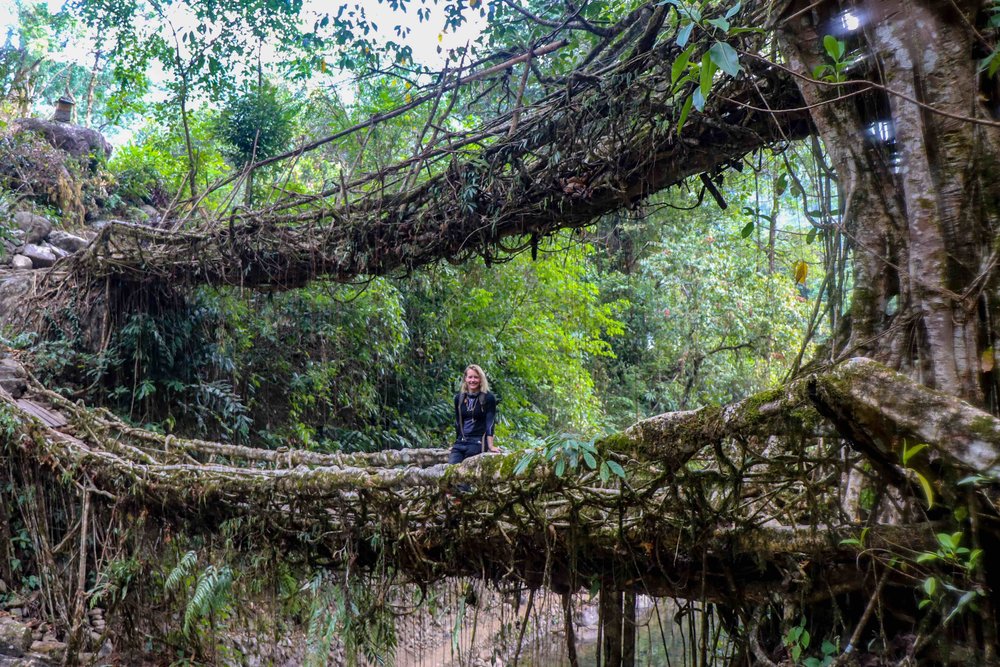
628	629
95	71
917	186
611	624
192	168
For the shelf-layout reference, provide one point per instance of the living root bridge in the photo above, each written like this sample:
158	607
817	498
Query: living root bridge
716	503
603	143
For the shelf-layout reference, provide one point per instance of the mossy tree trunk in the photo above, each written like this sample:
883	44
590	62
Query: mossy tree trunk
918	174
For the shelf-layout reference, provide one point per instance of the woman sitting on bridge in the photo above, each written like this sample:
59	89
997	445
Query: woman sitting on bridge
475	416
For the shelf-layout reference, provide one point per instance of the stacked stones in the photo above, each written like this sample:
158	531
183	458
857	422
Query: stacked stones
36	245
26	641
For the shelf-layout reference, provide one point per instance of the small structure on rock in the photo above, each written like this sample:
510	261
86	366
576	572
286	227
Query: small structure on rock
64	108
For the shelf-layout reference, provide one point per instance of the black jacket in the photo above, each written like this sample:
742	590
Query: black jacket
475	416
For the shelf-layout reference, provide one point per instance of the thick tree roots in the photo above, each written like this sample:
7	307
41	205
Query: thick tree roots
742	506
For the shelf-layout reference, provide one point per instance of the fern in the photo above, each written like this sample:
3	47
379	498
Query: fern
180	571
322	627
210	595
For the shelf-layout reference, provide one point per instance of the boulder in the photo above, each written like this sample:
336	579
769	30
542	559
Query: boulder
34	226
40	256
66	241
14	635
49	649
76	140
149	213
12	378
21	262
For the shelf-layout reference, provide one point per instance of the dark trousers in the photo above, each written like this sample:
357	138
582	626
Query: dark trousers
464	449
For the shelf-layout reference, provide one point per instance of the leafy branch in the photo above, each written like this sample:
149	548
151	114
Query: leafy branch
565	453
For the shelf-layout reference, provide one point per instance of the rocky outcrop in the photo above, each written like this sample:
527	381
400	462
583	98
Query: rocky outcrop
41	256
68	242
34	226
34	244
32	642
78	141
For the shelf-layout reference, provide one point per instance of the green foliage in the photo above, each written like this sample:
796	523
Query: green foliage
354	612
942	590
565	453
835	70
257	122
906	456
9	424
707	323
991	62
690	68
165	370
210	597
797	639
205	593
114	582
152	168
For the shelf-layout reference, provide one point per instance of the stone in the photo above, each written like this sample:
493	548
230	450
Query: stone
150	212
49	649
14	635
12	378
40	256
21	262
34	226
76	140
69	242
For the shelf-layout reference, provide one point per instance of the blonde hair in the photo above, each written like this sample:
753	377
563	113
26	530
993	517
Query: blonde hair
484	384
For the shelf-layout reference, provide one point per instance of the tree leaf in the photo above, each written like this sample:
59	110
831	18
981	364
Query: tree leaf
684	34
680	64
685	110
698	99
801	272
721	24
928	490
781	184
747	230
732	10
986	360
616	469
707	73
725	56
834	47
909	453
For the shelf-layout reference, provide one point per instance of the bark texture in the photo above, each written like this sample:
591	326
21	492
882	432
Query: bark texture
917	180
